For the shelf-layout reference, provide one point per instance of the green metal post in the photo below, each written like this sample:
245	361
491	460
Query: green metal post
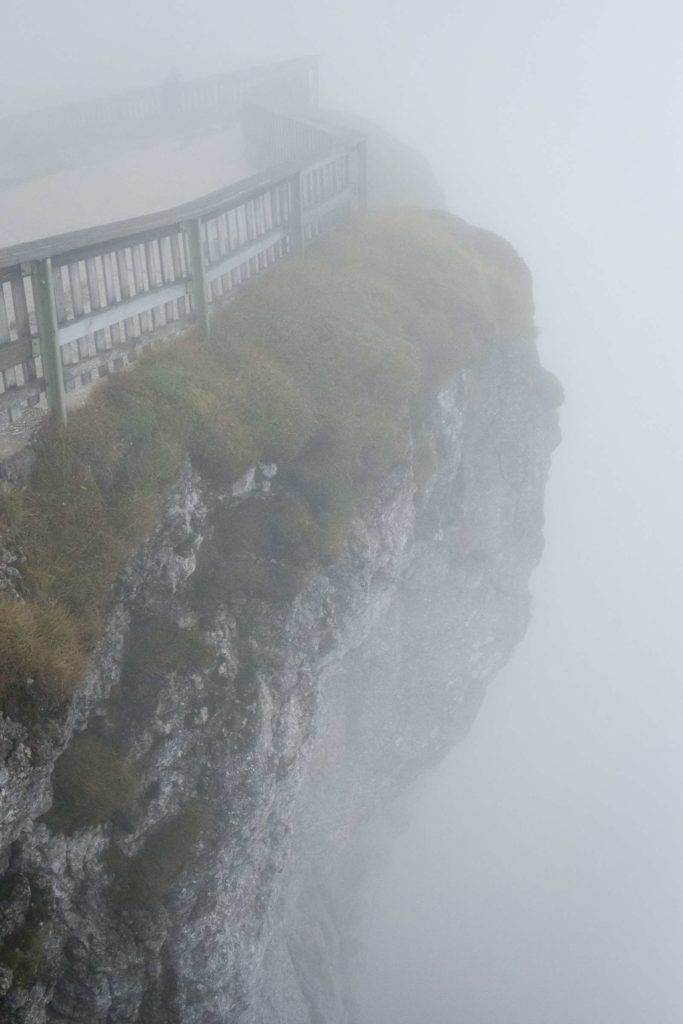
296	216
198	271
48	333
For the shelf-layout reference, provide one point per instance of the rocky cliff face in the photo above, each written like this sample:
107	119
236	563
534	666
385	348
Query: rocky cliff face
269	735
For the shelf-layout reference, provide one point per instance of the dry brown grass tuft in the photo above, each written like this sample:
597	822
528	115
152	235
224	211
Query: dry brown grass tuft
40	651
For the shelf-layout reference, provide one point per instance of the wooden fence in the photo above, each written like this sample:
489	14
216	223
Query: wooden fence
76	307
42	140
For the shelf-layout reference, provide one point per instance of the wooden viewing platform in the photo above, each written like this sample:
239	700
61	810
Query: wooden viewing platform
75	307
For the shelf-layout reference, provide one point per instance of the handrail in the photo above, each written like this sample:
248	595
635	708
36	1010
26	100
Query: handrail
84	239
80	305
151	99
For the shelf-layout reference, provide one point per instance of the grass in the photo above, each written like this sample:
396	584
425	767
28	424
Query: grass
318	367
158	647
145	879
42	660
23	951
93	783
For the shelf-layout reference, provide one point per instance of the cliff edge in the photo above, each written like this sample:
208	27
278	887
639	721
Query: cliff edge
251	593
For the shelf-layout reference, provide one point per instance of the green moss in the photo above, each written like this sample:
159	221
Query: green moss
318	366
145	879
93	783
23	951
41	656
157	647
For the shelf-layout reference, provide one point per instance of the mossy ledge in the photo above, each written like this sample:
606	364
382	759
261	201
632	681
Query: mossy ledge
319	366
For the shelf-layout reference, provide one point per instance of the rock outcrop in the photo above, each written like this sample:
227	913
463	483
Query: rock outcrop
266	736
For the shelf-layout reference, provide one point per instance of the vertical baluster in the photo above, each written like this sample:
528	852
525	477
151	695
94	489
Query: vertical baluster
177	253
297	241
139	282
60	294
151	274
260	225
213	255
233	234
78	349
195	242
166	266
113	336
76	289
225	235
122	265
21	320
92	271
4	319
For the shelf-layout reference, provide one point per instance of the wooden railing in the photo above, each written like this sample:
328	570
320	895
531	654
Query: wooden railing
39	141
76	307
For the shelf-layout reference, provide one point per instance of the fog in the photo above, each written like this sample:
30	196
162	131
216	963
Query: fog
540	879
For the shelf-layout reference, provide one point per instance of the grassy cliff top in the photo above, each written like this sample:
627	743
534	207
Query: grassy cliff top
318	366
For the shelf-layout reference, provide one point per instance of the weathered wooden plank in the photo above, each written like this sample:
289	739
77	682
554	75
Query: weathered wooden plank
211	239
166	273
76	288
124	267
177	256
110	275
139	282
244	254
4	320
195	237
231	221
138	305
338	201
21	320
14	353
179	270
153	273
224	233
124	278
92	274
59	293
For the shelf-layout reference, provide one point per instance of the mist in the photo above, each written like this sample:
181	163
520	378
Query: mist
539	879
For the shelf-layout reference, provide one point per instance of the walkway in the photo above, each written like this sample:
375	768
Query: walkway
106	187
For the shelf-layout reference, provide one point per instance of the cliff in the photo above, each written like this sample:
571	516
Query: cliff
305	629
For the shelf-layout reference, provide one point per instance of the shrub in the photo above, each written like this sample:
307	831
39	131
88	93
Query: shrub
23	951
41	657
92	784
157	647
146	878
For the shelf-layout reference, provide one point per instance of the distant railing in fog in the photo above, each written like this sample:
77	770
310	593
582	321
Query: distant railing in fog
78	306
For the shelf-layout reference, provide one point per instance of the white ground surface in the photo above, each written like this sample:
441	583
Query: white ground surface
105	188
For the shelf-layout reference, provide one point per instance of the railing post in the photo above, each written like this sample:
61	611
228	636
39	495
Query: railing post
193	229
48	333
296	216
